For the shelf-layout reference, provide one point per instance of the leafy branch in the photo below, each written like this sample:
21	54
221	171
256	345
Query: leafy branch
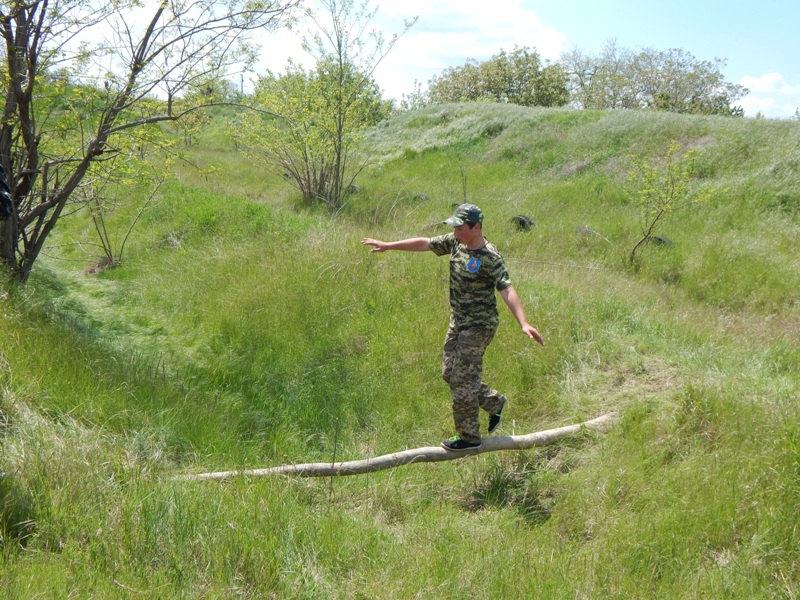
661	189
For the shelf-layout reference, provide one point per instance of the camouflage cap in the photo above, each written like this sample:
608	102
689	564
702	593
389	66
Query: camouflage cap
465	213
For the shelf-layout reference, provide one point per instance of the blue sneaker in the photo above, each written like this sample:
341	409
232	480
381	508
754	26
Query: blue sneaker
456	444
494	420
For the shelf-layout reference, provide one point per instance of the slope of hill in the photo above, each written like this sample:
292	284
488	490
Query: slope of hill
245	329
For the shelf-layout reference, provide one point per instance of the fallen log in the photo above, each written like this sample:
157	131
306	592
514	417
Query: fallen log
416	455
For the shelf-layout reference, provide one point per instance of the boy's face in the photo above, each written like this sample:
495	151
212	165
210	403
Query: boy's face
465	235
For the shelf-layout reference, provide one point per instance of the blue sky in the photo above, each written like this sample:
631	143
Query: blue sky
760	42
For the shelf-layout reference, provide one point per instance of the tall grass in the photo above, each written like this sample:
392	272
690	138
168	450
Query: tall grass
245	330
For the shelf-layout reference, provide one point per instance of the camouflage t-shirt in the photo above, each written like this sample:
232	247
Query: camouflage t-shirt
474	276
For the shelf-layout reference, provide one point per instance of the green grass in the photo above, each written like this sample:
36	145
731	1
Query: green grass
244	329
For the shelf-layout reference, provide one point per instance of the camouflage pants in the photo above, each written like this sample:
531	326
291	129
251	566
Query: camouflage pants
462	367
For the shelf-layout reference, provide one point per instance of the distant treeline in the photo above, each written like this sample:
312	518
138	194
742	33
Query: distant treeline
617	77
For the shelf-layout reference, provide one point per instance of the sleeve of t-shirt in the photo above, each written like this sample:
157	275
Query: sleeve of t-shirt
502	279
442	244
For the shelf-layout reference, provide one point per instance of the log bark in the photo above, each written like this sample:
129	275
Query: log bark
416	455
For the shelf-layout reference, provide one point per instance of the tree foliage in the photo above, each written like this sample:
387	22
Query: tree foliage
102	202
517	77
72	105
659	189
672	80
323	111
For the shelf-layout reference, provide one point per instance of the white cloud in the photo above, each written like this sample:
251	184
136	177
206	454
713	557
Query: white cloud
770	95
771	83
447	33
753	105
471	29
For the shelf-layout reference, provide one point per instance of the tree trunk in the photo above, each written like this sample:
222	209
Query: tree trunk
417	455
7	237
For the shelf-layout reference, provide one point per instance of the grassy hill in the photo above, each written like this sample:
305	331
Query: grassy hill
245	329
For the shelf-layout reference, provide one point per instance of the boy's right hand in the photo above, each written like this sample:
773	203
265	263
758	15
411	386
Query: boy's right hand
379	246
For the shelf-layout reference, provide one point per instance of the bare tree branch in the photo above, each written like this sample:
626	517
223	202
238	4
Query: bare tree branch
417	455
135	58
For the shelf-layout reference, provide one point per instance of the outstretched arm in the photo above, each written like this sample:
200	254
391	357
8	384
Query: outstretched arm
514	304
419	244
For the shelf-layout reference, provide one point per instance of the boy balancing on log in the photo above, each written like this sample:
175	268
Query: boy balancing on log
476	271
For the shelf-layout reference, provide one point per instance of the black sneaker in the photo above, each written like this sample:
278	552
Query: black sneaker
456	444
494	420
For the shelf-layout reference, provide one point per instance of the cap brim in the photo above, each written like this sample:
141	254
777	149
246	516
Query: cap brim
453	222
